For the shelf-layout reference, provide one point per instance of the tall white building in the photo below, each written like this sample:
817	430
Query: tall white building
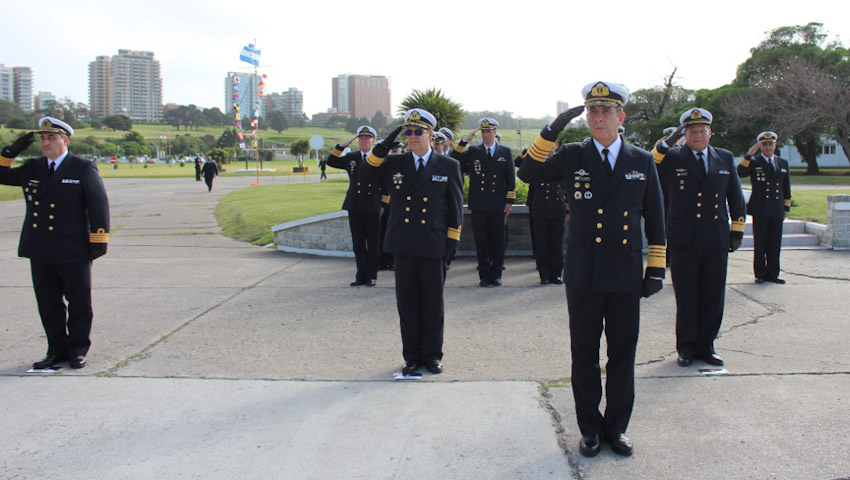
127	84
45	100
7	83
245	84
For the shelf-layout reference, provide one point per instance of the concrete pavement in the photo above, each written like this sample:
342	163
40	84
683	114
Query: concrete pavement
216	359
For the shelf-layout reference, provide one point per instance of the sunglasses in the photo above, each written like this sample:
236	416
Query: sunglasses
418	132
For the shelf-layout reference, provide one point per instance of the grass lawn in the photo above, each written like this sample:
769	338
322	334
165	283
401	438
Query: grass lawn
828	176
810	205
10	193
249	214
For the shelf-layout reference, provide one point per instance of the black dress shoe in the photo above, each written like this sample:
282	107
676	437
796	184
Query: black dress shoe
712	359
496	282
544	281
776	280
48	361
590	445
484	283
410	367
621	444
434	366
371	282
556	281
357	283
684	360
78	362
759	280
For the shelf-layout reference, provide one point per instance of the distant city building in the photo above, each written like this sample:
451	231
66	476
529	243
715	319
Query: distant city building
246	84
562	107
323	117
361	95
23	87
7	83
290	102
127	84
45	101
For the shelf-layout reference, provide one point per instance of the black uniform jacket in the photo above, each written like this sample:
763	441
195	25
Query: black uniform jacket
426	207
492	183
604	240
363	197
697	216
771	193
64	213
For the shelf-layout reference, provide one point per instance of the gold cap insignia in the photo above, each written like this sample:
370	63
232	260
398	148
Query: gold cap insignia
696	114
600	90
414	117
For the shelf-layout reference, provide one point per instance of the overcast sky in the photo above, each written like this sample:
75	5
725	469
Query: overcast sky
518	56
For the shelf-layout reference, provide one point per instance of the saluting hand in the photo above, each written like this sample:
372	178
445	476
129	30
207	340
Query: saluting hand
18	145
346	144
471	135
675	136
562	120
755	148
382	149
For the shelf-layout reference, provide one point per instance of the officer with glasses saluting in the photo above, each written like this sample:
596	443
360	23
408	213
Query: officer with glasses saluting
426	212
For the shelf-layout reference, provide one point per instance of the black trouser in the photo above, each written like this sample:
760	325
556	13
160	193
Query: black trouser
208	179
386	259
489	231
699	281
618	315
67	329
419	298
549	252
767	242
365	237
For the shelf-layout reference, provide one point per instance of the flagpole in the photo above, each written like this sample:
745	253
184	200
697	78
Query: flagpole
257	119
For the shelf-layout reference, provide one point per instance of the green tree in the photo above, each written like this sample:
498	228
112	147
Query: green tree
379	120
300	147
134	136
277	121
118	122
10	110
227	139
447	112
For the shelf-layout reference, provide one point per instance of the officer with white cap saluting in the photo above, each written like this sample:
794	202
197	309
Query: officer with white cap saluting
426	212
704	191
610	186
363	201
770	202
66	227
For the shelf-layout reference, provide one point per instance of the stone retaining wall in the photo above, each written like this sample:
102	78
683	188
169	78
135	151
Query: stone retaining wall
837	234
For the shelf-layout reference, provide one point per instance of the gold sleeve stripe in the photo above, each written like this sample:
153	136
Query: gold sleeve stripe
6	162
745	163
460	148
738	225
374	160
788	203
658	156
337	152
540	149
101	236
385	199
454	233
657	256
512	194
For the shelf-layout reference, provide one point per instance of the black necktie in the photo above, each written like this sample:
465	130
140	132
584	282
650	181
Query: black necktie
364	157
489	155
770	165
701	162
607	162
51	169
421	166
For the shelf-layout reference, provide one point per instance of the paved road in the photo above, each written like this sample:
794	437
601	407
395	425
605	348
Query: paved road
216	359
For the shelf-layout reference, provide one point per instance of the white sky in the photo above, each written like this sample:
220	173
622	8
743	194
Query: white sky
520	55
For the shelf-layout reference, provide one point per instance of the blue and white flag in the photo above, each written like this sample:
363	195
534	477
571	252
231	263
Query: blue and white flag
250	55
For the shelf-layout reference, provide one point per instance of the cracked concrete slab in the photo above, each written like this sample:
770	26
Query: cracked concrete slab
213	358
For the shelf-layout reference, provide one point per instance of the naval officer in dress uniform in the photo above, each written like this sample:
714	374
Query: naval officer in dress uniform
364	204
492	192
705	192
770	202
426	212
610	186
65	228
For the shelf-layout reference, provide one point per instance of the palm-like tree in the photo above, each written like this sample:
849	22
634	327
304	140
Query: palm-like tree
447	112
